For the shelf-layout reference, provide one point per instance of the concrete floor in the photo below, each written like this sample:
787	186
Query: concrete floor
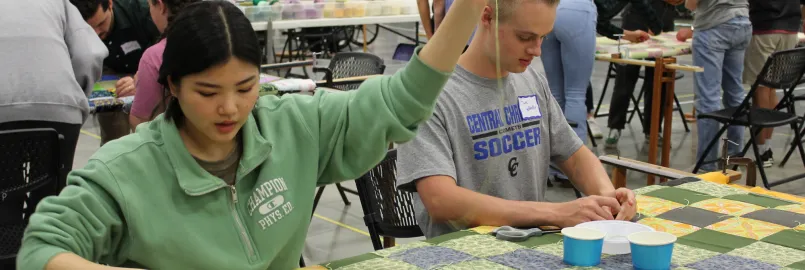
337	231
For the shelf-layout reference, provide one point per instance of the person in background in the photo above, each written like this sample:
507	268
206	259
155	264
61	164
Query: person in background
51	60
722	34
775	24
126	29
483	156
635	18
149	92
225	179
568	59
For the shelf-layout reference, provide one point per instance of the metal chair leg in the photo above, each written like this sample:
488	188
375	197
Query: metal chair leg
758	161
681	113
343	195
610	69
793	146
318	196
709	147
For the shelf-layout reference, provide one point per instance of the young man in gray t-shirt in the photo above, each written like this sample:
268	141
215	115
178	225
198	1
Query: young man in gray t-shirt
483	157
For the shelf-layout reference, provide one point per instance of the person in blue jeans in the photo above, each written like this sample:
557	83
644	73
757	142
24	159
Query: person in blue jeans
568	59
722	34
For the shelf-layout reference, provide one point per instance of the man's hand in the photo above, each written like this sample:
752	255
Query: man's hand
627	201
586	209
125	87
684	34
636	36
675	2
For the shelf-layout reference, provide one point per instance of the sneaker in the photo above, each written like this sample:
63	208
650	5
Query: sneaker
767	158
612	139
594	128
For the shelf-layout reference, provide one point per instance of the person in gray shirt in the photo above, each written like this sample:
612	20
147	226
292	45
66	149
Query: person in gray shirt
722	34
483	156
51	58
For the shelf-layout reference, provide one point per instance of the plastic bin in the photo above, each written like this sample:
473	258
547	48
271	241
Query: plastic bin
313	10
374	8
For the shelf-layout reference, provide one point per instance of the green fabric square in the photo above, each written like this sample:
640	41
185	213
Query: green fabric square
757	199
377	264
541	240
679	195
481	246
351	260
684	254
712	189
770	253
797	265
714	241
477	265
450	236
388	251
787	238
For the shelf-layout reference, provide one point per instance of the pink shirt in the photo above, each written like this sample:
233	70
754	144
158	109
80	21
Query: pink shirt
149	91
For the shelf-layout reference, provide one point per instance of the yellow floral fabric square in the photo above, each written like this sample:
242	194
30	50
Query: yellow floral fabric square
652	207
662	225
727	207
747	227
796	208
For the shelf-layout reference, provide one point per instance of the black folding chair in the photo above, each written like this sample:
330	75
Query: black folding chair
794	143
388	211
782	70
351	64
30	170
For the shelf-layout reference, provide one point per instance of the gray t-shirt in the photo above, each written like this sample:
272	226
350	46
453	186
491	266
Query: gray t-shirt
487	145
710	13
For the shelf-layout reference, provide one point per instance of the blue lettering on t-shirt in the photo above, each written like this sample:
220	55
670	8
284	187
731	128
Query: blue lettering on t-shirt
514	141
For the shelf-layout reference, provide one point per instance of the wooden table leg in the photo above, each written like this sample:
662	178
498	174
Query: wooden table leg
669	81
619	177
659	67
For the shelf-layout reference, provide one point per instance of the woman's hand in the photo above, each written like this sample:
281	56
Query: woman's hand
636	36
125	87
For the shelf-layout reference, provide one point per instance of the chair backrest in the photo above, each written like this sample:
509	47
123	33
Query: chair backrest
387	209
29	171
782	70
354	64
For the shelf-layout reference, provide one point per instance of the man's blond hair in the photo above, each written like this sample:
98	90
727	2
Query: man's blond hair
507	7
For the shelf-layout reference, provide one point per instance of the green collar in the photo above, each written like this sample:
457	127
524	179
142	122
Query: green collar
193	179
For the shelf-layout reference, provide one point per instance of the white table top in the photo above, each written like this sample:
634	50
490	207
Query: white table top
326	22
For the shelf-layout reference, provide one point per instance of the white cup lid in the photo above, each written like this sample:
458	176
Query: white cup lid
583	233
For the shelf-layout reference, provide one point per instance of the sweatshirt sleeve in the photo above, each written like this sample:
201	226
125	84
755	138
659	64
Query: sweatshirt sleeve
354	128
85	48
84	219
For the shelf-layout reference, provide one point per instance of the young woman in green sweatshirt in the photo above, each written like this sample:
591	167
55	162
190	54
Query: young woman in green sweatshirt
224	179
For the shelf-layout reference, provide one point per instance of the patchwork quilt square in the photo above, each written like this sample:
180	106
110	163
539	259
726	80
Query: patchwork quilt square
617	262
481	246
679	195
758	199
672	227
429	257
713	189
648	189
652	207
477	265
728	262
399	248
727	207
684	254
529	259
770	253
556	249
379	264
776	216
787	238
797	265
714	241
796	208
747	227
694	216
681	181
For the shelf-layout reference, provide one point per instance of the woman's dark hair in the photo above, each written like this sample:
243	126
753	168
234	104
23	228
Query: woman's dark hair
174	7
204	35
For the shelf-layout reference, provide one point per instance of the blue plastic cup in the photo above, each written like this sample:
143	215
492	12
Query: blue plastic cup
651	250
582	246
